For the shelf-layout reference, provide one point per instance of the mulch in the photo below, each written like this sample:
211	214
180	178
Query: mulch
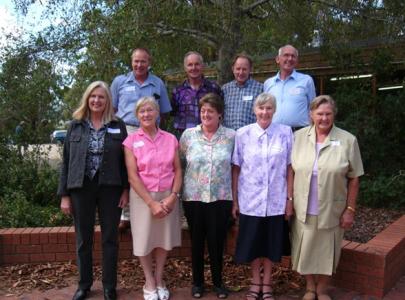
19	279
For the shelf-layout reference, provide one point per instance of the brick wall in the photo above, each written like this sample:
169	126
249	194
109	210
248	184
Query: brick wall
371	268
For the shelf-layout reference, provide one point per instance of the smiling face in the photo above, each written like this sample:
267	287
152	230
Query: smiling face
287	59
264	114
323	117
140	63
209	116
147	115
193	66
241	70
97	101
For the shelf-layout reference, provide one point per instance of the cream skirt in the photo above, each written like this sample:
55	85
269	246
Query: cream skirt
315	251
149	232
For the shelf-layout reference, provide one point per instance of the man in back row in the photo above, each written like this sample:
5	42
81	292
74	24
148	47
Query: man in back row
293	90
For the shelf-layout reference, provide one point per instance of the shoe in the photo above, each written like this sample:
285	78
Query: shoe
80	294
150	295
124	225
163	293
309	295
269	294
221	291
253	294
110	294
197	291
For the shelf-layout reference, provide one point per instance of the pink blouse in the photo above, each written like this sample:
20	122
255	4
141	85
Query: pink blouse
154	158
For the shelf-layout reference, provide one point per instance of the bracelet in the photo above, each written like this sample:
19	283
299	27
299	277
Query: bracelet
351	209
290	198
176	194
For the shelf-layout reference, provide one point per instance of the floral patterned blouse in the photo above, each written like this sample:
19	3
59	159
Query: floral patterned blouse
207	164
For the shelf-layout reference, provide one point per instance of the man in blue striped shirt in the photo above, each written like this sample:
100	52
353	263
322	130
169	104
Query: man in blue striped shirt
293	90
240	94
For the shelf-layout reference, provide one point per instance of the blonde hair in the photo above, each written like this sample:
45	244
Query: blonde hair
83	111
323	99
146	100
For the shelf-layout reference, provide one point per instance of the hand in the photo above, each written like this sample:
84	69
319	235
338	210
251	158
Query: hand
235	211
124	199
289	209
66	205
346	220
157	210
168	203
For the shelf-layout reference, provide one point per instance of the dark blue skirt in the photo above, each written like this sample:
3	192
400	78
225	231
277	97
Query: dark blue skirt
266	237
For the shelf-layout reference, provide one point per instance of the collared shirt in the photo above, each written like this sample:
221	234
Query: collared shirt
339	159
154	158
185	102
293	96
126	91
207	176
263	156
95	150
239	101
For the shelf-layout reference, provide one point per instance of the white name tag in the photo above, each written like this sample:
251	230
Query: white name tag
138	144
335	143
129	89
247	98
296	91
113	130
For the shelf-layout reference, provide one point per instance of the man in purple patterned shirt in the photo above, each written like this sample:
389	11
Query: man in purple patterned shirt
185	97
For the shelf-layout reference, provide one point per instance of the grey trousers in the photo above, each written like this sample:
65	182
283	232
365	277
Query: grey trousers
85	201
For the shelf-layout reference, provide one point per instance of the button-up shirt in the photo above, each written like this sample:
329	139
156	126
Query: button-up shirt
154	158
239	100
185	102
339	159
126	91
293	96
95	150
263	156
207	176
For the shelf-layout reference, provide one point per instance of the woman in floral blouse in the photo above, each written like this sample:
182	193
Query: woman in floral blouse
206	151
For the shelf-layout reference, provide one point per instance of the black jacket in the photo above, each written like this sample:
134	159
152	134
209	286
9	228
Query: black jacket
112	170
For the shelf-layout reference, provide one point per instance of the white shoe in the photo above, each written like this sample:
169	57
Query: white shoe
163	293
150	295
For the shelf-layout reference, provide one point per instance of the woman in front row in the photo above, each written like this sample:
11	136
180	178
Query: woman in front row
155	177
262	190
93	176
206	152
327	164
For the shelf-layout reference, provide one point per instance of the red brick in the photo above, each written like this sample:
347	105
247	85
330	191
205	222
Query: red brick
53	235
126	236
72	248
7	235
15	258
125	254
55	248
28	249
7	249
371	271
62	235
34	237
97	234
70	235
67	256
126	245
17	236
25	236
44	235
43	257
97	255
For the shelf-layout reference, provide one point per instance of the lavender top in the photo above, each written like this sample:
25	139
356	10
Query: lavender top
263	157
185	102
313	206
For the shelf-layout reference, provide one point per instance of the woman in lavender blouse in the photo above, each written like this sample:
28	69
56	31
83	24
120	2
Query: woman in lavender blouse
261	189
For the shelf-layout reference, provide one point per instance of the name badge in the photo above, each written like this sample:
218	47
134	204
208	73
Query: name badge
296	91
113	130
138	144
129	89
247	98
335	143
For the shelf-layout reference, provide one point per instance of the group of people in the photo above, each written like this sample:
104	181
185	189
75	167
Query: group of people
268	155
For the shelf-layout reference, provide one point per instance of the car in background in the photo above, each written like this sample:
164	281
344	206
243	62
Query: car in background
58	136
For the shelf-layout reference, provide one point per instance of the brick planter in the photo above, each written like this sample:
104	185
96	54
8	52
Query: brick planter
372	268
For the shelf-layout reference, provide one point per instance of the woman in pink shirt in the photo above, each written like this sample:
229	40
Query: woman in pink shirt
155	177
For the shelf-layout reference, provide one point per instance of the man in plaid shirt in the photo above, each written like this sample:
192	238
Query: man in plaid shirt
240	94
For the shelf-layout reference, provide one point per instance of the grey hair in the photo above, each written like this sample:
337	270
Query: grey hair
264	98
280	51
191	53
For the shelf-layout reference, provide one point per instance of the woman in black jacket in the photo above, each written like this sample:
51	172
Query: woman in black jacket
93	176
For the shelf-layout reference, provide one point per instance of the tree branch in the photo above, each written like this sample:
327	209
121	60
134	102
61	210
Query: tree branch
248	9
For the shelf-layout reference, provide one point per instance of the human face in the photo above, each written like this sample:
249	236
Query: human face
147	116
193	67
241	70
209	116
140	64
97	101
264	114
323	117
288	59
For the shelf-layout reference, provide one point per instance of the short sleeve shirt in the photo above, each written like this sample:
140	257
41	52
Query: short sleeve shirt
154	158
238	100
207	175
263	156
126	91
